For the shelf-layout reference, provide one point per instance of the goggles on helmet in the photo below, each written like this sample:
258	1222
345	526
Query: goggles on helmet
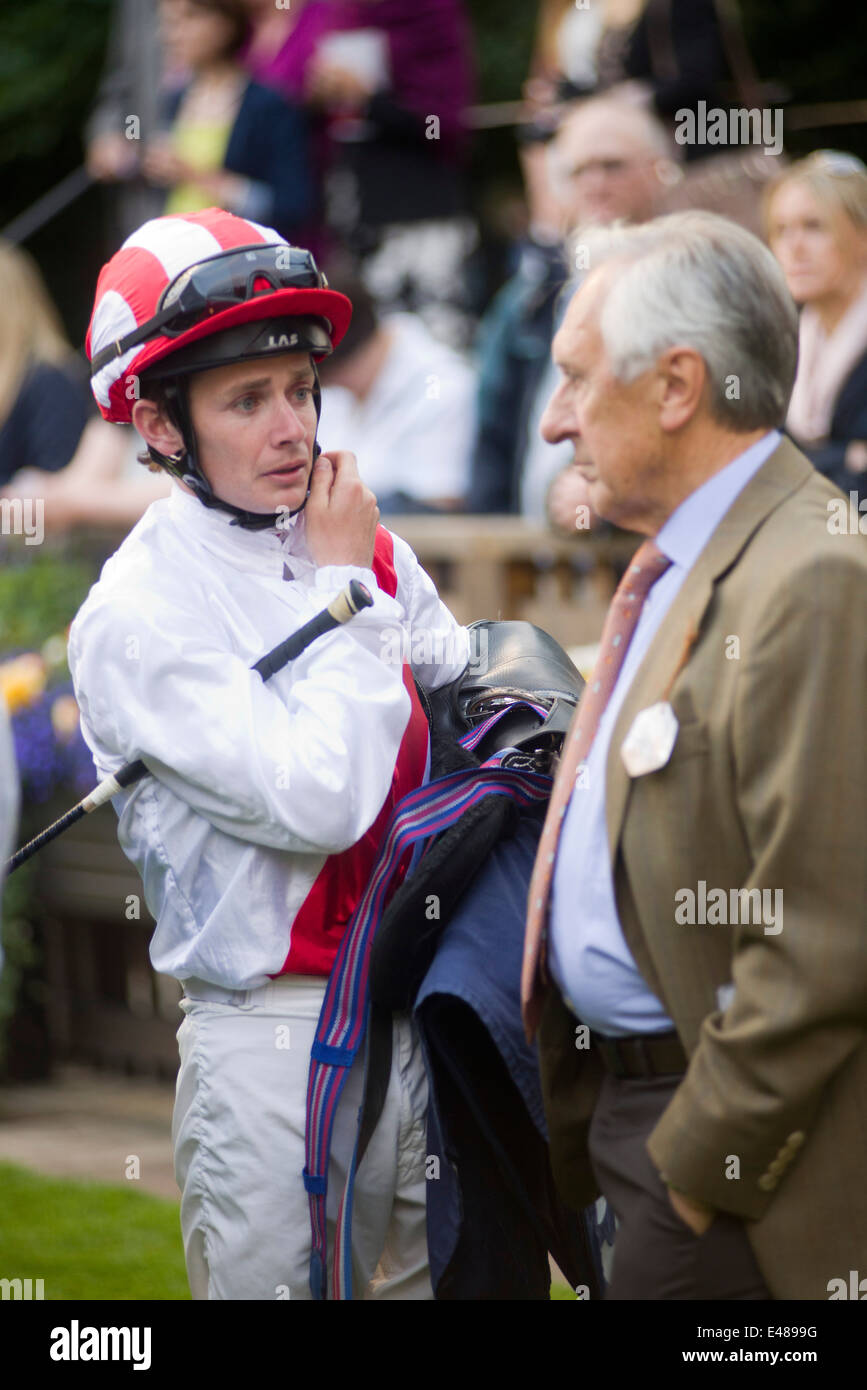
218	283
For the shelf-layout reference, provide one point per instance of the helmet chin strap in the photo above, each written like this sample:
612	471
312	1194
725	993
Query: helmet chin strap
184	465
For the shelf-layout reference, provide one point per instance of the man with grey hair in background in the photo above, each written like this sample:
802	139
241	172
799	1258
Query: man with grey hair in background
695	959
607	161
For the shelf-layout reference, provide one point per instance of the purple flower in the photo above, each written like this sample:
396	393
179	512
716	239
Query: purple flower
47	764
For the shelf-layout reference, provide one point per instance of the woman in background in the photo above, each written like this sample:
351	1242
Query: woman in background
44	402
816	216
393	79
280	45
674	51
230	142
103	486
281	42
386	83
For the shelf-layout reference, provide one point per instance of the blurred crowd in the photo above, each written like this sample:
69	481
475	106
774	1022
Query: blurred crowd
347	125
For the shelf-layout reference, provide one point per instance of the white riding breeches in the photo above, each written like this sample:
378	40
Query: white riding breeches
238	1133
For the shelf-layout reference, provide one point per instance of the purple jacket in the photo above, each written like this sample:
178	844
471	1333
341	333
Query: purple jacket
430	48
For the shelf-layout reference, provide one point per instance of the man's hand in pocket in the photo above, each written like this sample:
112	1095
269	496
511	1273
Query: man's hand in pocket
697	1215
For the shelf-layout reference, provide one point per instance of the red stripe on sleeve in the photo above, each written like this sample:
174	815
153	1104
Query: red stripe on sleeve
323	916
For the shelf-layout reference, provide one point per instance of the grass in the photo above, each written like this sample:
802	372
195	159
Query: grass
89	1240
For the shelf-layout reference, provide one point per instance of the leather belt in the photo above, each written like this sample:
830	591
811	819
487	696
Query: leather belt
654	1054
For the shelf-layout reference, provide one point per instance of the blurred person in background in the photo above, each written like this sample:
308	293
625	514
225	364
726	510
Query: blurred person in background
670	56
279	46
373	73
281	42
44	402
669	53
230	142
103	485
392	79
816	219
608	161
402	402
130	87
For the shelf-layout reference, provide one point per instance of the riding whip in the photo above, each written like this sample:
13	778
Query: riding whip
347	603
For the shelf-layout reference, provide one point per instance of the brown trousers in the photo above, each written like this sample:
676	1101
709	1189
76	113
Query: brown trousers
656	1255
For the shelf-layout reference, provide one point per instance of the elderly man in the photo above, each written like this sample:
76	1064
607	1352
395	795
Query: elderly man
695	955
608	160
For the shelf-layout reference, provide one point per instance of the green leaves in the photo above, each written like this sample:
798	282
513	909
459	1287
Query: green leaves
50	58
39	598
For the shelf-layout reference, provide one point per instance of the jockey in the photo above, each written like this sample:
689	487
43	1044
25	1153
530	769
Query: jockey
256	833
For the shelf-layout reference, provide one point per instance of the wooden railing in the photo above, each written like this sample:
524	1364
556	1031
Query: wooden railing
104	1003
505	567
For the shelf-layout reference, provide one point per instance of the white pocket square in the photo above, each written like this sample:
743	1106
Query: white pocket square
649	743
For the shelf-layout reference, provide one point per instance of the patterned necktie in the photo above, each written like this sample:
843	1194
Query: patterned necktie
647	565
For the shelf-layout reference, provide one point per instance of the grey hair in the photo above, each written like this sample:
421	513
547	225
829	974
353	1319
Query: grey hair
650	136
695	279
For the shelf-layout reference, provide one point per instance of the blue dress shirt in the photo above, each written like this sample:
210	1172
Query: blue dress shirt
588	955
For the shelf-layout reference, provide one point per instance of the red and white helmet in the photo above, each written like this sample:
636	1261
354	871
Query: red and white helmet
177	281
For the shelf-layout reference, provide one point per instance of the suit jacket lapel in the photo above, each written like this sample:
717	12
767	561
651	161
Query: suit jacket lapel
785	470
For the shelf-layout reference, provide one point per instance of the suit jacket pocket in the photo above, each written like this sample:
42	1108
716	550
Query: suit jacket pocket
693	740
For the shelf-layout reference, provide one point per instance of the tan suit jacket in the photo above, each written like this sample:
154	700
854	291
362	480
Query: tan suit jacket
763	656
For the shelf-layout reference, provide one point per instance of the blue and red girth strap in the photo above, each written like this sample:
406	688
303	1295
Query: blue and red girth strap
417	818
